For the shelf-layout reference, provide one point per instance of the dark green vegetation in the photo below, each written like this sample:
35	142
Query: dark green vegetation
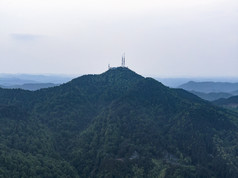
230	103
117	124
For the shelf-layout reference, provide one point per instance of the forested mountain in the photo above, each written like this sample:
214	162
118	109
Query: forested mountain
116	124
231	102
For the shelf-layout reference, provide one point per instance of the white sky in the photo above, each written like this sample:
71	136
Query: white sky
166	38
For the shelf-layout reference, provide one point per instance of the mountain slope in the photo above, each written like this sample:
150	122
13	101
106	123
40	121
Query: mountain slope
116	124
211	96
231	102
158	129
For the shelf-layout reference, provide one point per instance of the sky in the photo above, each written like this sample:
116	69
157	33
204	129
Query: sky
162	38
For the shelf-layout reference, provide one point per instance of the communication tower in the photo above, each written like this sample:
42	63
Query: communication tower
123	60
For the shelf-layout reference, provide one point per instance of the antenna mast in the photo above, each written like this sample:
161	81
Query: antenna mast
123	60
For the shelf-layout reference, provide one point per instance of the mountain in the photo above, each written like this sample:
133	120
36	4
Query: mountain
234	92
31	86
116	124
20	79
211	91
208	87
231	102
14	81
211	96
173	82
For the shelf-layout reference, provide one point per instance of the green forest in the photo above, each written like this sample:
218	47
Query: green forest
116	124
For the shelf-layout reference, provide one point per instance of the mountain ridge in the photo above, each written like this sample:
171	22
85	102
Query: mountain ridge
208	87
230	103
115	124
30	86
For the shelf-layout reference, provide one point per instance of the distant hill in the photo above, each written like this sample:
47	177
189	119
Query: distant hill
20	79
173	82
14	81
116	124
208	87
234	92
211	96
31	86
211	91
231	102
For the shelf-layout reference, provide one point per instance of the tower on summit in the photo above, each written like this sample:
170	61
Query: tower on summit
123	61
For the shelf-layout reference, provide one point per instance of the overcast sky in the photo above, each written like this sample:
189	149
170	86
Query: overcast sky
164	38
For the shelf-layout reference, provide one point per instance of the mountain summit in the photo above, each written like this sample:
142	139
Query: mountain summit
116	124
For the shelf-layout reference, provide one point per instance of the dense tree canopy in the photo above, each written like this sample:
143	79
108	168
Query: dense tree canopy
116	124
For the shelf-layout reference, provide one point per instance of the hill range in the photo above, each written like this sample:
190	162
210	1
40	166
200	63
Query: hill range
116	124
211	91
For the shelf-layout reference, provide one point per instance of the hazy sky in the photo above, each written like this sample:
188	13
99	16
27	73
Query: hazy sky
165	38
